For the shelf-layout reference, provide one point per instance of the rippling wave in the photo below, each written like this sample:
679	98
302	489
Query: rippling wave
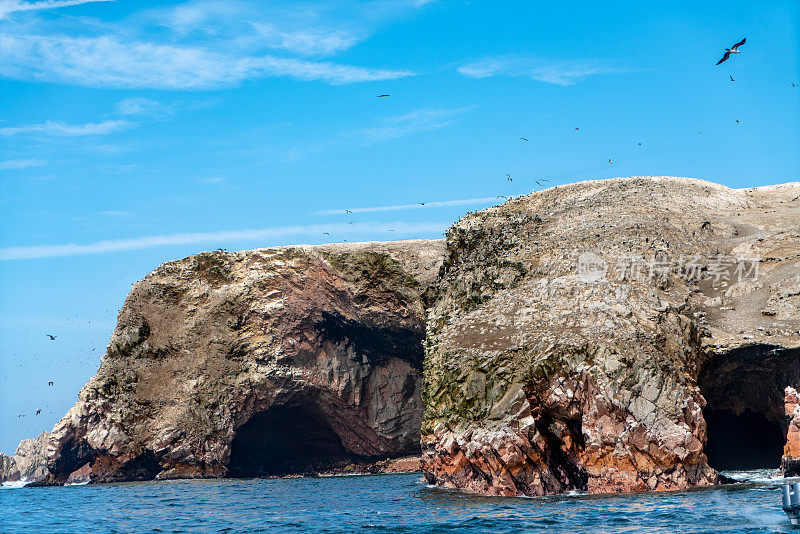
381	503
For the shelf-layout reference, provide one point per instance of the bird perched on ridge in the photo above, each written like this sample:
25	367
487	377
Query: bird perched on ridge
732	50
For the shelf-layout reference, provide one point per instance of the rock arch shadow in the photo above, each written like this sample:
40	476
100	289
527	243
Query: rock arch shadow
285	440
744	391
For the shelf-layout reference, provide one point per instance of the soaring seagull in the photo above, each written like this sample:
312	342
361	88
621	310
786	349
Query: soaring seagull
732	50
51	337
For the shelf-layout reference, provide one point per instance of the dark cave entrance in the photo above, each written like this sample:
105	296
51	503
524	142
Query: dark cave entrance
285	440
744	414
742	441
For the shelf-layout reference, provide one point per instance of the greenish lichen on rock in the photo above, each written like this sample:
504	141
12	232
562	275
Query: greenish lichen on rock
541	378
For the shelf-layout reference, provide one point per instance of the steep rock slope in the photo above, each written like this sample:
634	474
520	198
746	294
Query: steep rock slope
254	363
614	335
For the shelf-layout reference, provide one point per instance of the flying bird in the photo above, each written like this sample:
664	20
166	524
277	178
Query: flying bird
38	411
508	177
325	233
609	161
382	96
50	383
737	121
51	337
348	211
731	77
732	50
640	144
794	84
421	203
577	129
523	138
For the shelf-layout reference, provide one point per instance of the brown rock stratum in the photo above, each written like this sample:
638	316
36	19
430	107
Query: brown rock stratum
594	336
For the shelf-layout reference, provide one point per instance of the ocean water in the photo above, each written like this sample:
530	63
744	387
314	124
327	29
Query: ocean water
379	503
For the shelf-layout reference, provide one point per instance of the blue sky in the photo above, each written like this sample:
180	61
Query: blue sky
135	132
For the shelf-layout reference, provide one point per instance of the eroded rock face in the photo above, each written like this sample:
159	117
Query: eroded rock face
29	462
257	363
581	333
790	463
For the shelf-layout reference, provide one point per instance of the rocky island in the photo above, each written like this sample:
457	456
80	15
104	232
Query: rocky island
612	336
605	336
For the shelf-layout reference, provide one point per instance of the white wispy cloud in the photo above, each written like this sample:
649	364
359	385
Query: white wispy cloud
16	164
198	45
559	72
142	106
399	207
336	231
212	180
108	61
384	129
306	42
115	213
409	123
14	6
68	130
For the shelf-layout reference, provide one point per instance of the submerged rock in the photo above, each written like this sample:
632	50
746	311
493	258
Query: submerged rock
267	362
583	334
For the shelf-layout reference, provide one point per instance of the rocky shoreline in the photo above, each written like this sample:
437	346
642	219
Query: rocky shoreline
604	336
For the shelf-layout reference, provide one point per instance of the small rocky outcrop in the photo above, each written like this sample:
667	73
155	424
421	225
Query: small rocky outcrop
29	463
258	363
790	463
610	336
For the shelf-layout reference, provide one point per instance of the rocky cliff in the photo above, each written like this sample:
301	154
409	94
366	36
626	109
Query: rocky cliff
29	462
264	362
617	335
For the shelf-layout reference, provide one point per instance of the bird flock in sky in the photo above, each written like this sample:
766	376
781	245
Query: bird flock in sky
542	182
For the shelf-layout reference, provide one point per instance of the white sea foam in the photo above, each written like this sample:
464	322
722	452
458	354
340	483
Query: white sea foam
15	484
761	476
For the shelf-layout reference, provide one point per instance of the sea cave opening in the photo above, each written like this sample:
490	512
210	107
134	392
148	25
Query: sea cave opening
744	413
285	440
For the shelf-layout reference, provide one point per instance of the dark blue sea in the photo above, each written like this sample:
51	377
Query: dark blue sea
377	503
